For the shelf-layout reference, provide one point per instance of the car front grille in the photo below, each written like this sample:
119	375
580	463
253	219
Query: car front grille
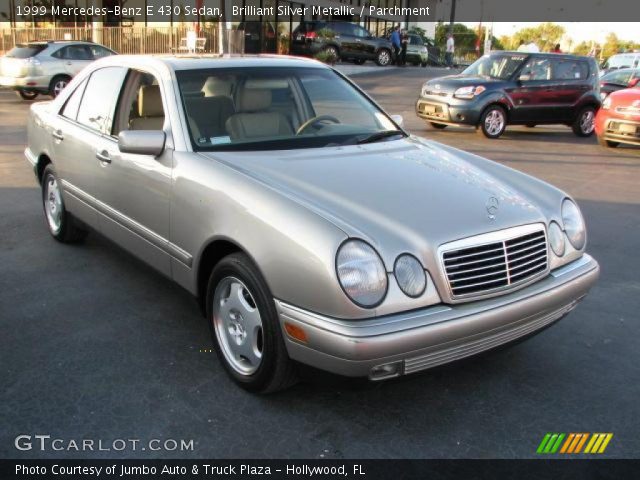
488	267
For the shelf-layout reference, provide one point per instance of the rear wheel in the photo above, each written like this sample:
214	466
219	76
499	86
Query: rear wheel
61	224
585	122
245	327
383	58
58	83
607	143
493	121
331	50
27	95
439	126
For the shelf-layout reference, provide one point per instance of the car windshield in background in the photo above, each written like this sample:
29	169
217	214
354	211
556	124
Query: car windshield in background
618	77
278	108
495	66
25	51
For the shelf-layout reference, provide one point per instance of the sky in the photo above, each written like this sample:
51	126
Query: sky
578	31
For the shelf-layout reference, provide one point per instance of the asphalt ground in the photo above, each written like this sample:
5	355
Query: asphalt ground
96	345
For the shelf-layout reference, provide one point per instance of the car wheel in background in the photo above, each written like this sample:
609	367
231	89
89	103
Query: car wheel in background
26	95
439	126
383	58
493	121
245	327
61	224
585	122
332	50
607	143
58	83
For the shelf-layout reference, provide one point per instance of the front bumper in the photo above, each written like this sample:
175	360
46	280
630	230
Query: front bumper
26	83
403	343
446	109
622	130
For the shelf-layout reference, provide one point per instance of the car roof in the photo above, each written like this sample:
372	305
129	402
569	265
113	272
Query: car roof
203	61
541	54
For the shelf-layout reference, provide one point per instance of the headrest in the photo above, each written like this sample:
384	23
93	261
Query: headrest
253	100
216	86
150	101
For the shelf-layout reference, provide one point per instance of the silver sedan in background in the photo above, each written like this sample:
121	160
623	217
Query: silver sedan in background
310	226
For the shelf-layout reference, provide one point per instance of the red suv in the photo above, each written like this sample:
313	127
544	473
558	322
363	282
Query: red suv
618	121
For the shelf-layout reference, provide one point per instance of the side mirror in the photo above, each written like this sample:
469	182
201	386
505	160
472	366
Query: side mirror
634	82
398	119
142	142
525	77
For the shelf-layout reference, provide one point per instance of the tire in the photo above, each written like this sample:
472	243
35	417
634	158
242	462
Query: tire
61	224
58	83
493	121
383	57
439	126
26	95
607	143
243	319
359	61
584	124
332	50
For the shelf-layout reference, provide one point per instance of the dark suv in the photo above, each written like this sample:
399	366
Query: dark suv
347	41
515	88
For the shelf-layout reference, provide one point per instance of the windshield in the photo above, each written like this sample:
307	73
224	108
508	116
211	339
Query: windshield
621	61
495	66
277	108
618	77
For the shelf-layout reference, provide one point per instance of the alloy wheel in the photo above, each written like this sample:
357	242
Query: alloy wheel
587	122
53	205
238	326
494	122
58	87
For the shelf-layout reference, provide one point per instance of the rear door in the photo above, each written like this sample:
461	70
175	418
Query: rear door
346	36
570	82
75	58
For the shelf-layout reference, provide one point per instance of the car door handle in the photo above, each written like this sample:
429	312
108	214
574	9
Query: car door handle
57	135
103	156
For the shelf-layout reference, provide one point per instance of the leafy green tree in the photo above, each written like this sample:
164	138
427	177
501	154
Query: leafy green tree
611	45
465	38
545	36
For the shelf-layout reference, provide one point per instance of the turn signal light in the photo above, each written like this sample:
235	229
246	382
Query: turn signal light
295	332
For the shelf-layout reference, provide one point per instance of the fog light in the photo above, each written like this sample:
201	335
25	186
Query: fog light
388	370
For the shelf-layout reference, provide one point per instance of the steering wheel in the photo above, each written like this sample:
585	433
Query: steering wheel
314	120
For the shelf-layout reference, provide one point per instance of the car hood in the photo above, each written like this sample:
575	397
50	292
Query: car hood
399	195
451	83
625	96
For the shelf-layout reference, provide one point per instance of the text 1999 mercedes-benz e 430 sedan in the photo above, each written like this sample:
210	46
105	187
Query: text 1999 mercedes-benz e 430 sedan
308	223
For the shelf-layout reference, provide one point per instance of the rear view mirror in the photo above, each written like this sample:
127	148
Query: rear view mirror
142	142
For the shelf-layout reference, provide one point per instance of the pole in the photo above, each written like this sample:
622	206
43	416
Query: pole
452	17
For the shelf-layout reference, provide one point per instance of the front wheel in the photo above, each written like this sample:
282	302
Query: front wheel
584	124
493	121
383	58
58	83
245	327
61	224
607	143
27	95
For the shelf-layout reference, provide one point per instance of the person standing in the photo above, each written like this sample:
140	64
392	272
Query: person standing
396	42
404	41
556	49
451	46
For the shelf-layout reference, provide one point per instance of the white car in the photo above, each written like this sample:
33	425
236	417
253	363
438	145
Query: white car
46	67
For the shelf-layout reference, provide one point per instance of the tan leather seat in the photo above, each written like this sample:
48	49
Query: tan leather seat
216	87
150	111
253	119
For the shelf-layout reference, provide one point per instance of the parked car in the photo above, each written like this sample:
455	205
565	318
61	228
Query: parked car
308	223
515	88
621	60
344	40
618	121
618	80
417	51
46	67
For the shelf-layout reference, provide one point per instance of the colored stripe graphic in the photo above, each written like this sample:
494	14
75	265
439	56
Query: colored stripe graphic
598	443
543	443
573	443
550	443
567	443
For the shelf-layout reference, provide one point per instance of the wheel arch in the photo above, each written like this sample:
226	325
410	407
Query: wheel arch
42	162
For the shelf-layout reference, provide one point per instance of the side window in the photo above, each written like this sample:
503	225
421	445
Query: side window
570	70
70	109
98	51
59	53
537	69
96	108
343	28
140	106
361	32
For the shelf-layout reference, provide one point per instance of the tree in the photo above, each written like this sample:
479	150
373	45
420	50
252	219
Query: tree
545	36
465	38
583	48
611	45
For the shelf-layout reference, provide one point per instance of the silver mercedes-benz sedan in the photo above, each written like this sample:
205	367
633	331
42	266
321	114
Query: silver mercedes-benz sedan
310	226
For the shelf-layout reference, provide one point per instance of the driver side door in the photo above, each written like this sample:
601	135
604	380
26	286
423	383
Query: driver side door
532	94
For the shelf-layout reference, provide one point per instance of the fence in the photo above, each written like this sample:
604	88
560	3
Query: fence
125	40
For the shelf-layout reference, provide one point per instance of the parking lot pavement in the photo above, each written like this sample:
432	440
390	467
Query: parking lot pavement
97	345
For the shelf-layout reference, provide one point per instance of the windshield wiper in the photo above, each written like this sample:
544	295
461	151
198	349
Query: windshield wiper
374	137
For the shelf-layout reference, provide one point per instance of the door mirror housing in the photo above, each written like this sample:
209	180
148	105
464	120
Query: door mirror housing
142	142
634	82
398	119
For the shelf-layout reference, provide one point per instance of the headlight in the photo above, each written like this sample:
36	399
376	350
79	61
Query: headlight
606	104
556	239
361	273
573	224
468	92
410	275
